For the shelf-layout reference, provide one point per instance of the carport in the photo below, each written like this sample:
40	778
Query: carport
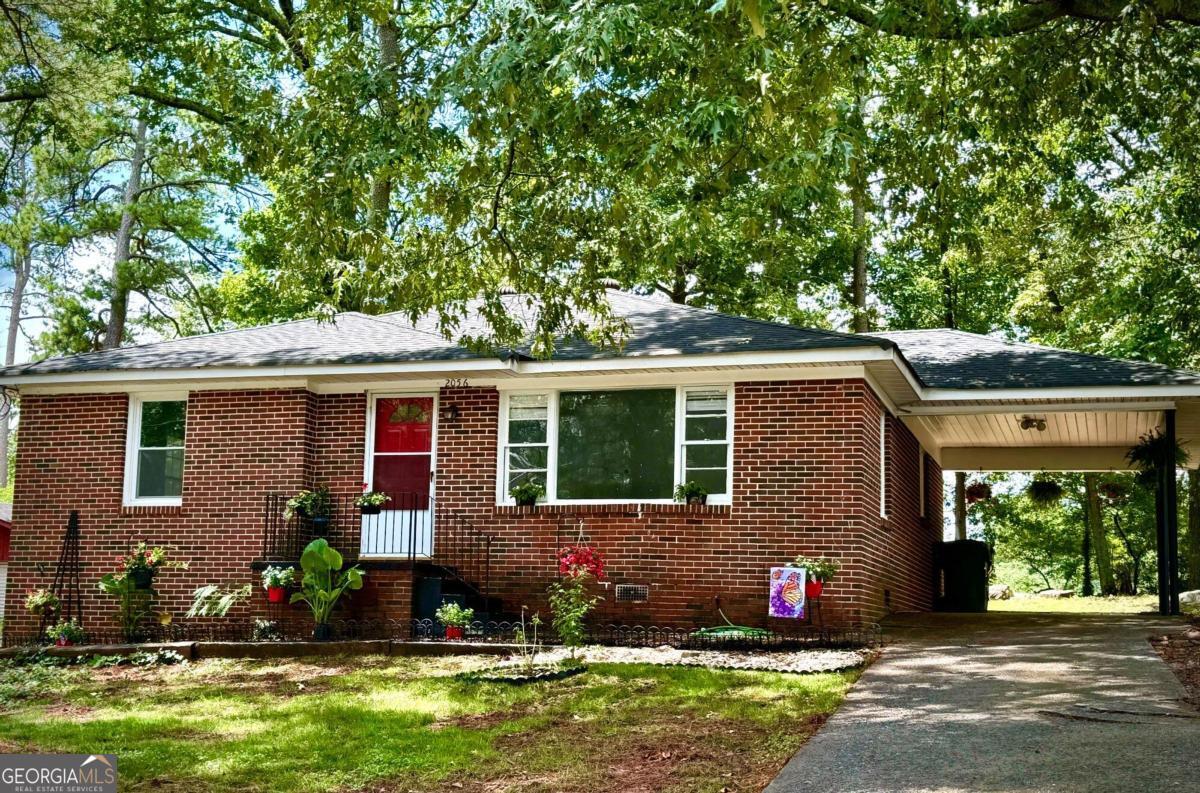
980	404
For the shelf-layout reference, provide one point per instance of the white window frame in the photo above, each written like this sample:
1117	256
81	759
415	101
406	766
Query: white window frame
552	394
369	457
133	437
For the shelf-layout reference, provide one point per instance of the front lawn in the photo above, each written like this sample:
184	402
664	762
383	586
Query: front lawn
412	724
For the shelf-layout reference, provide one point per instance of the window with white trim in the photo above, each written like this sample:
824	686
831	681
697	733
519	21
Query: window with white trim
617	445
526	456
155	451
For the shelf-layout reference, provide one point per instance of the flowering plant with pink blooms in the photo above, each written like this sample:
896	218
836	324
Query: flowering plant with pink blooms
577	560
152	558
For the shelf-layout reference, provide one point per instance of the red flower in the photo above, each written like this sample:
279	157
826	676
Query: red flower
577	560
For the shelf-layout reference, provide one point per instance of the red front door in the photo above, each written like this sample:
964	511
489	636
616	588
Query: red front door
401	465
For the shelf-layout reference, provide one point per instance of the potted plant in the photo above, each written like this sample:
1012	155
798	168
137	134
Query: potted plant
1044	491
456	618
276	580
371	502
41	601
691	493
143	562
819	571
315	505
323	583
977	491
526	494
65	633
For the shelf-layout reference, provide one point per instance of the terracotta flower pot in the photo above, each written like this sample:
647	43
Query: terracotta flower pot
813	589
276	594
454	632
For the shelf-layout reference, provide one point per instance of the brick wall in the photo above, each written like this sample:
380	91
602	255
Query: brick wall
806	479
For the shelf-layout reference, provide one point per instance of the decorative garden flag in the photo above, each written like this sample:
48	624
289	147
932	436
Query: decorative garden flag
787	592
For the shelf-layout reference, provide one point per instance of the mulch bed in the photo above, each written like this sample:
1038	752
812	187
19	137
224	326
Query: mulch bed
1182	651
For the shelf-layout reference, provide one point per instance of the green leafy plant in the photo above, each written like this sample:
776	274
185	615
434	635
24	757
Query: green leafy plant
1149	452
691	493
266	631
133	604
310	504
570	603
278	577
324	580
213	601
152	558
452	614
68	630
41	601
372	498
526	494
1044	491
817	568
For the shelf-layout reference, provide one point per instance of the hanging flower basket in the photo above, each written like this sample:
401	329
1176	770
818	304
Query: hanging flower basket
978	491
1044	492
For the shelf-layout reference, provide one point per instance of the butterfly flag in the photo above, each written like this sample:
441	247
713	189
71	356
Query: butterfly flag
787	592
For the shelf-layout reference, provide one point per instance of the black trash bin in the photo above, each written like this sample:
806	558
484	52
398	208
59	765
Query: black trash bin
960	570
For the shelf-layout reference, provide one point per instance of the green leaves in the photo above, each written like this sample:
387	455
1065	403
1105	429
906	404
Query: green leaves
323	582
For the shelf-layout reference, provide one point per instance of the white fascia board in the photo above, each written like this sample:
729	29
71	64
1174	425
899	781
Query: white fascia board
142	376
1036	408
1033	395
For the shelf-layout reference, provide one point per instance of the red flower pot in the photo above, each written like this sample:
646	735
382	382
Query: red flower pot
813	588
62	642
454	632
276	594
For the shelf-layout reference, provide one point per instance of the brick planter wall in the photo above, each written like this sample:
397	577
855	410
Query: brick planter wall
806	479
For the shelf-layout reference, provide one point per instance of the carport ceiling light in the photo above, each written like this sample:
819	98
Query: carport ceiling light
1033	423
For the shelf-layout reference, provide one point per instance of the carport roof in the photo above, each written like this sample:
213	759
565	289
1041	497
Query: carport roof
954	359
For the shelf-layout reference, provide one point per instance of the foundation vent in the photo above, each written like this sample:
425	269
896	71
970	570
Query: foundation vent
633	593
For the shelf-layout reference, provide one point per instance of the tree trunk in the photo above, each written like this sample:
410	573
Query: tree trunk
960	505
1193	528
22	265
858	281
381	183
119	299
1088	588
1101	552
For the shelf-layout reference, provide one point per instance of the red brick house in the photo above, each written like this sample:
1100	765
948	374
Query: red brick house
807	441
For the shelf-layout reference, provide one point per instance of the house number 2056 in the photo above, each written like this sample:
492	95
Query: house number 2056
457	382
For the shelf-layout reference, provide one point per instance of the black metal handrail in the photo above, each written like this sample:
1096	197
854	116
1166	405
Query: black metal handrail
413	528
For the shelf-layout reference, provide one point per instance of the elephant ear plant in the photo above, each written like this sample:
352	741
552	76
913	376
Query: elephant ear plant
323	583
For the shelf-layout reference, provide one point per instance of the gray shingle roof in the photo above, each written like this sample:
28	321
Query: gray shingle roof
655	328
944	358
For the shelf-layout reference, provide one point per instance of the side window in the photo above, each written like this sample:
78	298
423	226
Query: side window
526	455
155	451
706	439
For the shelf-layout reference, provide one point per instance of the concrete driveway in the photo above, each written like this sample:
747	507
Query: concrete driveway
1009	702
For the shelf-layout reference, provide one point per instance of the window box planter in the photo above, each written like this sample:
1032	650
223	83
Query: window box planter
371	509
276	594
697	501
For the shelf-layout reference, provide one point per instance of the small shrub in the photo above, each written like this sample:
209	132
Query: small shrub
454	615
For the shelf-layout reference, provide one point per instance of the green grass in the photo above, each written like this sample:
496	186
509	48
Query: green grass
401	724
1136	604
